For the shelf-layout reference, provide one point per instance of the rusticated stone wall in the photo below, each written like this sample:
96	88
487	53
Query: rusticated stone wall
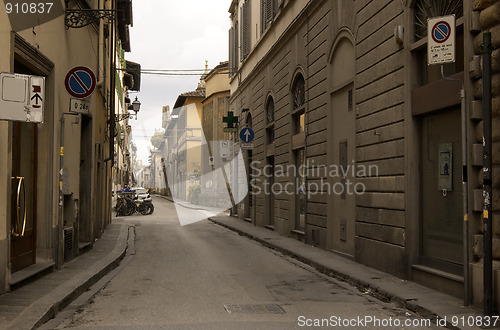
489	20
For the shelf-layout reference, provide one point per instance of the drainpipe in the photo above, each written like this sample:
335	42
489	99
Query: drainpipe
60	234
465	200
112	72
100	64
306	124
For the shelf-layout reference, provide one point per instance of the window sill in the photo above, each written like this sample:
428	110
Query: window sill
298	232
298	140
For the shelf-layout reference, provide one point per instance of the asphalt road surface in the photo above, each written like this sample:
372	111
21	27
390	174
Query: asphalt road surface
203	276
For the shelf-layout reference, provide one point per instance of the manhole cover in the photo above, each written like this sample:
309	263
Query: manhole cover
254	309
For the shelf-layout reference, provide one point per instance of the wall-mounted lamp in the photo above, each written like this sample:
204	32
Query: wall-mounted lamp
135	106
399	34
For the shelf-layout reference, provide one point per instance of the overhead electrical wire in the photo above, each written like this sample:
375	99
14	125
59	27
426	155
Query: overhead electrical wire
178	74
175	72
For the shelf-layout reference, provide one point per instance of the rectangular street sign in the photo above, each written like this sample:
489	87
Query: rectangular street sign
230	129
22	97
246	146
79	106
441	40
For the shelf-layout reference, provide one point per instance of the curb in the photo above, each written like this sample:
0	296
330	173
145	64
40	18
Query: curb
48	306
181	204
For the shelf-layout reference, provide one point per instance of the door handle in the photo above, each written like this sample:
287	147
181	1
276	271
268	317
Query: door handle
19	230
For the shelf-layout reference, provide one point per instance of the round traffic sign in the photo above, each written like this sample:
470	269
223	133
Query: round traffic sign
80	82
441	31
247	135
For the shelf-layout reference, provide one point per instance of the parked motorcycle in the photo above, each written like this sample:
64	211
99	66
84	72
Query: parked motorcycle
127	205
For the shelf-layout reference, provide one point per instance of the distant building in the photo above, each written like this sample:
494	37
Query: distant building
184	139
218	150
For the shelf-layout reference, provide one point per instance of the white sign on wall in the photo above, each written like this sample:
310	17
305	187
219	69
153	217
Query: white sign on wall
441	40
22	97
79	106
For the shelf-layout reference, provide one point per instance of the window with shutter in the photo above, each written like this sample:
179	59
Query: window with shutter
245	28
231	53
242	32
268	12
263	22
236	46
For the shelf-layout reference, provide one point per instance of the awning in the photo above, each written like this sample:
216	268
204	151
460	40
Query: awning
134	70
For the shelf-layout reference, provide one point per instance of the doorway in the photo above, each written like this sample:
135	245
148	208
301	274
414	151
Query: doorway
343	200
341	224
441	155
270	194
85	229
23	195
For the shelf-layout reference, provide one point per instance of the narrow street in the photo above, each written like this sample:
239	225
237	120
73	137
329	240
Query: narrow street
189	277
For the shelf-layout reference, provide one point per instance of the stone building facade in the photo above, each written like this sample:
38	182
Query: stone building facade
359	137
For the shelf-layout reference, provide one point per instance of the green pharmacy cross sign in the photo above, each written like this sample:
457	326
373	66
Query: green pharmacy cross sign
230	120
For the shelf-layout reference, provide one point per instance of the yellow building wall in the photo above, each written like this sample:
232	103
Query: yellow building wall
217	83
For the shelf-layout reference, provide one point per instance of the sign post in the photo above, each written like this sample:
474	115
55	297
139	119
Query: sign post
487	178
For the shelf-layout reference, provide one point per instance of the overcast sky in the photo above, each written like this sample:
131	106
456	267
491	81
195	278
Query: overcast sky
173	35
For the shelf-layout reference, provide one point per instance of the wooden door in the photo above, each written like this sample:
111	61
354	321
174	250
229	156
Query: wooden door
23	196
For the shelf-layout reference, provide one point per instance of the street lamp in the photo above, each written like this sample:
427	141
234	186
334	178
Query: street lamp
135	106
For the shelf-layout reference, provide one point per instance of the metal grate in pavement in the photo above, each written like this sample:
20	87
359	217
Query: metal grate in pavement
254	309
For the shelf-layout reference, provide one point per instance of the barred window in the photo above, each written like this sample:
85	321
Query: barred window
425	9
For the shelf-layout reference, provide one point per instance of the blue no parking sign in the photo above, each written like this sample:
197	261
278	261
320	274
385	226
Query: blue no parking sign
80	82
441	31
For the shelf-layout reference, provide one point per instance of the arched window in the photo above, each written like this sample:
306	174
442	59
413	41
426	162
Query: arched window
249	120
299	154
299	93
270	120
422	10
425	9
270	110
299	100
